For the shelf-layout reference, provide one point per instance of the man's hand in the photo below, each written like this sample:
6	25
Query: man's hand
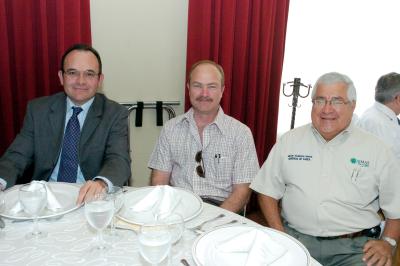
378	252
91	188
238	198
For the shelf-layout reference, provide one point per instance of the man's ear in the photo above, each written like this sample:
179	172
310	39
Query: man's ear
101	78
60	77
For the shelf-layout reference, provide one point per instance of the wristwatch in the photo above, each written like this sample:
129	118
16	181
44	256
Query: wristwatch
390	240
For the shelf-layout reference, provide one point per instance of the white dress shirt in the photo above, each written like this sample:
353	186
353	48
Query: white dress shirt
381	121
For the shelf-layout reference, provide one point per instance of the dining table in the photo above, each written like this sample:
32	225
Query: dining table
69	238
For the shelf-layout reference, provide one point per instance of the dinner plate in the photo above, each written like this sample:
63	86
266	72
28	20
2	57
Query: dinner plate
296	253
188	207
66	194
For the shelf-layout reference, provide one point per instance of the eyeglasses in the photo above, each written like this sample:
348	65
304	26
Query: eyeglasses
75	74
334	102
200	168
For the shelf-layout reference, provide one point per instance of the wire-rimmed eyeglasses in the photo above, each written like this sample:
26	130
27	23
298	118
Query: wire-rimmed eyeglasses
75	74
200	168
334	102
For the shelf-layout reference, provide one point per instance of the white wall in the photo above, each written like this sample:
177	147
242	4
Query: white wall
358	38
143	48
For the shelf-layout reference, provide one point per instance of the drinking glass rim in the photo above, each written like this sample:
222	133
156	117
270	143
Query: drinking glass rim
25	187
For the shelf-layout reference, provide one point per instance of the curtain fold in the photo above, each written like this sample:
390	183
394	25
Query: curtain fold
247	37
33	36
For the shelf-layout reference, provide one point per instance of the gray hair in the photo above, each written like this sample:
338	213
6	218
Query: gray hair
335	77
387	87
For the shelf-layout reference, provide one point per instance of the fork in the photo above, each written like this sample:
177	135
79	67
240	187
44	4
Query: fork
200	231
199	227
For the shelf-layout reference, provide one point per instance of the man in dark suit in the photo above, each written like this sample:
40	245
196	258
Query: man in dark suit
74	136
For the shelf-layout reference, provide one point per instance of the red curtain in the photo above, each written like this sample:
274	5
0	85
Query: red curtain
247	37
33	36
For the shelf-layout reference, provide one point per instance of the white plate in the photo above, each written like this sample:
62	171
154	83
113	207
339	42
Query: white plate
189	206
66	194
296	253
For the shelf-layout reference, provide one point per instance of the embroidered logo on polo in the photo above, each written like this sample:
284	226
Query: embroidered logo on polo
299	157
361	163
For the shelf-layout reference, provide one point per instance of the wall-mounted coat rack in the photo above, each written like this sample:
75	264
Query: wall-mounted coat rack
158	105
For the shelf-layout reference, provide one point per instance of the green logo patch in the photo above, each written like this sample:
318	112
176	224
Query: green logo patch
362	163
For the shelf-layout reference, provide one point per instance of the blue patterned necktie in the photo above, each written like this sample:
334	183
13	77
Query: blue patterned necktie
69	154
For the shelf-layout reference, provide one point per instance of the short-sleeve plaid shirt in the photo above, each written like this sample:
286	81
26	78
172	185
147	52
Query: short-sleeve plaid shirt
228	153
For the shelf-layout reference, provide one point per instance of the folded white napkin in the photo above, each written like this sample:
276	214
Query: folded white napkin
162	200
52	203
253	247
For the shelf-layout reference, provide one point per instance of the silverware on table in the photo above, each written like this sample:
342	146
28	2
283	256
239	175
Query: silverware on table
184	262
2	223
200	231
21	220
48	219
199	227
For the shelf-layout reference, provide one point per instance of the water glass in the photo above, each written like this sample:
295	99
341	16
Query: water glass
99	211
176	226
2	201
33	198
2	209
154	241
117	196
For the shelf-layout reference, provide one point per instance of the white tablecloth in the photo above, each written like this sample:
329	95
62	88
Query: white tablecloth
70	237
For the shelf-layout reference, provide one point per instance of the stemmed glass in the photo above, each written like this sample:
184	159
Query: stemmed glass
33	198
154	241
99	211
117	195
2	208
2	201
175	225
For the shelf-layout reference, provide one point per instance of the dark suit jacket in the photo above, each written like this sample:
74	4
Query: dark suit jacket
103	145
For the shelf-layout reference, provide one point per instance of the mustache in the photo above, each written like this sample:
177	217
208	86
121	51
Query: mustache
204	98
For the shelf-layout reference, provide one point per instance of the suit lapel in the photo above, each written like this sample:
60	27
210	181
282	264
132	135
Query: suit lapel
92	120
57	118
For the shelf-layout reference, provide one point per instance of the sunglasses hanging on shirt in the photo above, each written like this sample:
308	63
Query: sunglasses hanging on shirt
200	168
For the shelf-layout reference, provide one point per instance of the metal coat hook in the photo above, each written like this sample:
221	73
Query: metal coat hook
295	84
166	105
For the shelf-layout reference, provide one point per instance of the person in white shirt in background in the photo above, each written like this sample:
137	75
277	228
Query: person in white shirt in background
381	118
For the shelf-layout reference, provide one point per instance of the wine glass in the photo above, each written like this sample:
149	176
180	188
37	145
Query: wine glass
33	198
117	195
2	208
2	201
175	224
154	241
99	211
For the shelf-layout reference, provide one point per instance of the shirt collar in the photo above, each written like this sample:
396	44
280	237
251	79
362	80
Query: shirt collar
386	111
337	139
219	120
85	107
